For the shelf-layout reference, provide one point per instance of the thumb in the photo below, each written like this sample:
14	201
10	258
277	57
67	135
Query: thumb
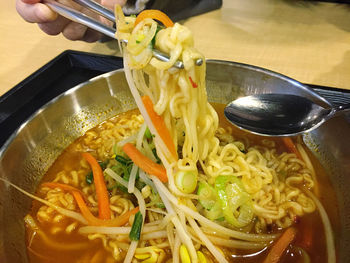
111	3
35	13
30	1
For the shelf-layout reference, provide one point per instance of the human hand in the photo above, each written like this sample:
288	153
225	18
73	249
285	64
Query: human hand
33	11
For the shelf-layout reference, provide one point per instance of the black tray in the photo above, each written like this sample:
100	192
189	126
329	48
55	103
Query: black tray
66	71
62	73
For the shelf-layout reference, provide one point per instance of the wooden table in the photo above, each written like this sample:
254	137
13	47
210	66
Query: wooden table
309	42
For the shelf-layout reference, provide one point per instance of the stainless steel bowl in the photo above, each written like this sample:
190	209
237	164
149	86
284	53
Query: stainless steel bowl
30	151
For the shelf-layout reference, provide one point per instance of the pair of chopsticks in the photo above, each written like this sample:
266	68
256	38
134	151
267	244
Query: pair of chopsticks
81	18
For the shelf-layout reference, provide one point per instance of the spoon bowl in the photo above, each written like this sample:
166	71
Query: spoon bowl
273	114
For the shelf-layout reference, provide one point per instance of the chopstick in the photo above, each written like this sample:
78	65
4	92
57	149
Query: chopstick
98	8
81	18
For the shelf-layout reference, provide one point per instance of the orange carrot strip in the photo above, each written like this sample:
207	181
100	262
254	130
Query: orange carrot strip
154	14
291	146
280	246
64	187
104	210
145	163
160	126
94	221
307	237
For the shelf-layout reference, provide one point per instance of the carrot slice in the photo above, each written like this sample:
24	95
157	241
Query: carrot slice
154	14
145	163
307	237
288	142
280	246
104	210
160	126
94	221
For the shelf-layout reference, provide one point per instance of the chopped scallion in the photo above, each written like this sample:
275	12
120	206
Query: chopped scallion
148	134
153	42
235	202
156	155
186	181
139	184
160	205
89	179
207	195
135	232
122	159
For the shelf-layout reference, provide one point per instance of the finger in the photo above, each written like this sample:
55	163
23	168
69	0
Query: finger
111	3
31	1
55	27
91	36
74	31
35	13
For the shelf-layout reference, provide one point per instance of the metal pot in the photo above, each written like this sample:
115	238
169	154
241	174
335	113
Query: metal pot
31	150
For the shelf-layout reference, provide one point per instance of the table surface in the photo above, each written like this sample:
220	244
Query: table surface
307	41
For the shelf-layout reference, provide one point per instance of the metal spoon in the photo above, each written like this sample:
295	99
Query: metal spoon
279	114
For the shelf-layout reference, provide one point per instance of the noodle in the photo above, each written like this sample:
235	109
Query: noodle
61	210
327	227
217	254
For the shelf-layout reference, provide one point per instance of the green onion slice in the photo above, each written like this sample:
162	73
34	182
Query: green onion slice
135	232
207	195
186	181
122	159
148	134
236	203
89	179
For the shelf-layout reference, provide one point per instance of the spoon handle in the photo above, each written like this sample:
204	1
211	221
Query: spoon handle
341	109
